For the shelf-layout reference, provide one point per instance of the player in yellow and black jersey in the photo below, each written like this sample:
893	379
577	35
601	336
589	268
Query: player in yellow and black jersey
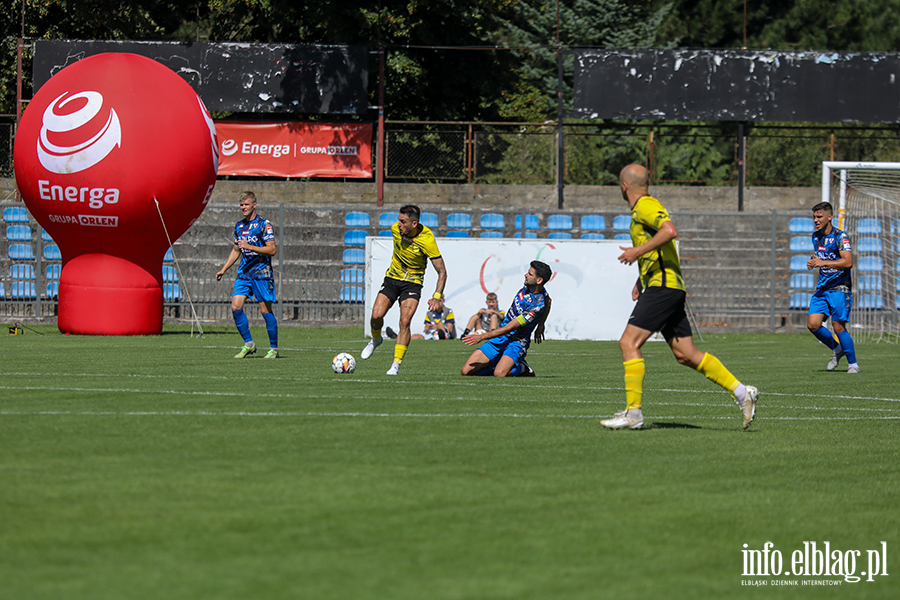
660	295
414	245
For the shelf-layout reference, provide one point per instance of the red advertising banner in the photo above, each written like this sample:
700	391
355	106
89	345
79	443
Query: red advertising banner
295	149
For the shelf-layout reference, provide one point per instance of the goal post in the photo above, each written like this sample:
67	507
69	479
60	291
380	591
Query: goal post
867	199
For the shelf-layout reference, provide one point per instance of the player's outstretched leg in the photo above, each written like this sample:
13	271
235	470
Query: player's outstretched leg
243	327
632	417
370	347
743	395
849	351
272	330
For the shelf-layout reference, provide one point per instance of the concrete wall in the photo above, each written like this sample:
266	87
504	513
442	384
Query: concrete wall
503	197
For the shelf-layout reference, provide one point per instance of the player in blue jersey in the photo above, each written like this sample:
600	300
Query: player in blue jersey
832	298
254	245
504	354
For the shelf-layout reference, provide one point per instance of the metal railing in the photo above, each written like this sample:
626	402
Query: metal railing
737	266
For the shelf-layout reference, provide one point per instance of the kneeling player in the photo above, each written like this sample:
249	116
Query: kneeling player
504	354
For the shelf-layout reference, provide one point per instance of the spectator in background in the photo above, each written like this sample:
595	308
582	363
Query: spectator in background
486	319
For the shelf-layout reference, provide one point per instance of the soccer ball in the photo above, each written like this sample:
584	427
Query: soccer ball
343	363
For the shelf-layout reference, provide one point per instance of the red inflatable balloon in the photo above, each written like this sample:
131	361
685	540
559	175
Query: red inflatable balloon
101	145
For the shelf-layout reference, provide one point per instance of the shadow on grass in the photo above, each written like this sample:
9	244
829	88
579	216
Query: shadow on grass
673	426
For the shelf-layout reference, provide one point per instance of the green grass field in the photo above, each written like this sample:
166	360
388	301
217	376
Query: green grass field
160	467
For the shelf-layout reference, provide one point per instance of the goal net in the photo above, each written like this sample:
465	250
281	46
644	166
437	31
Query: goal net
867	199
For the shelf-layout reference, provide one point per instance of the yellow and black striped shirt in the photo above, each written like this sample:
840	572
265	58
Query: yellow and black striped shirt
411	255
659	268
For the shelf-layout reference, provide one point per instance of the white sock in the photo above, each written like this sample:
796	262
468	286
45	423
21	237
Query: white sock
740	392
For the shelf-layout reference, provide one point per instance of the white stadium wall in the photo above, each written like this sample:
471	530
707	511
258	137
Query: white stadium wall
591	290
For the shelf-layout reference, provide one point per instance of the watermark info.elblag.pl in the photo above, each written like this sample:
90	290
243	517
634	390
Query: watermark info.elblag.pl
815	563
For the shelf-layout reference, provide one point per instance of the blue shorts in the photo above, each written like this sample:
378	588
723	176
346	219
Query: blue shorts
261	289
497	347
832	303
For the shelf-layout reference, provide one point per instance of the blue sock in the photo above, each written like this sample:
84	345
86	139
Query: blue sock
272	328
243	325
848	347
824	336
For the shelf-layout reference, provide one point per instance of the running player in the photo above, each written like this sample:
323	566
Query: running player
660	295
504	354
832	298
414	244
254	245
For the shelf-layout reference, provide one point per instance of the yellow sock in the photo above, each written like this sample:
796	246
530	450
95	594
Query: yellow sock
634	382
716	372
399	352
376	333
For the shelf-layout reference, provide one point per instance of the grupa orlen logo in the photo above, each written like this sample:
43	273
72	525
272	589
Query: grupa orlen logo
229	147
80	152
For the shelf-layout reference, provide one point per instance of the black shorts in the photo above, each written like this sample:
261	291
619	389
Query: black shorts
394	289
662	309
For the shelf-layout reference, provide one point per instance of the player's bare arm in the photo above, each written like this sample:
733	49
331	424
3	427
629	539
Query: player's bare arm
477	338
437	302
666	234
233	257
539	330
844	262
268	249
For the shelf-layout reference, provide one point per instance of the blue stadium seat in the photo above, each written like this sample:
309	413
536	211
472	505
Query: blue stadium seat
491	234
868	244
870	264
353	275
52	272
871	301
20	271
52	292
622	223
169	257
429	220
801	225
18	233
593	223
385	233
800	301
868	227
52	252
21	252
531	222
23	290
560	235
593	236
46	236
802	281
459	221
170	274
388	218
870	283
353	293
354	256
559	223
622	236
528	235
15	214
798	262
457	234
492	221
357	219
171	292
801	243
355	237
